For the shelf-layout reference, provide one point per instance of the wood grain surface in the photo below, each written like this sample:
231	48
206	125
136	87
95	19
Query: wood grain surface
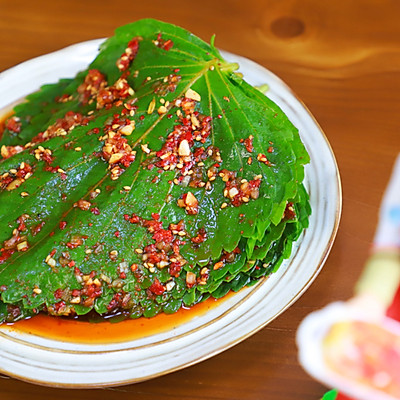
343	60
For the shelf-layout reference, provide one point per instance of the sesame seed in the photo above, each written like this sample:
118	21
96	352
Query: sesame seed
145	148
75	300
162	110
51	261
22	246
152	106
191	94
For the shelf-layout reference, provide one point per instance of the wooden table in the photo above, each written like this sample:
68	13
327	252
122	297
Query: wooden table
343	59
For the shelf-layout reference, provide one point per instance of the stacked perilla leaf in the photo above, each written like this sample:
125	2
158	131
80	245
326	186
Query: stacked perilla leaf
152	180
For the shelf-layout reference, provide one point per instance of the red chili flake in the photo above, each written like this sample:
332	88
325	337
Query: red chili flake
76	241
155	216
290	212
163	235
54	251
157	288
58	293
167	85
129	55
59	306
249	144
13	124
219	116
122	275
134	219
90	224
76	293
116	234
115	302
162	43
141	117
71	264
263	158
23	172
95	211
5	255
176	70
70	120
62	225
270	149
134	267
126	217
21	221
168	44
37	228
94	81
201	236
47	158
51	234
96	130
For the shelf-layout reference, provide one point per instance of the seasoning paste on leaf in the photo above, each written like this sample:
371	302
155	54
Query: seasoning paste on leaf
152	180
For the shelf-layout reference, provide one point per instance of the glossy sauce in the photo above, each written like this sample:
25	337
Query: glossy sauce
71	330
3	119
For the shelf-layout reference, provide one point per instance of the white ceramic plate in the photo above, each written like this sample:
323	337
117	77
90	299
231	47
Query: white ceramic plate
57	363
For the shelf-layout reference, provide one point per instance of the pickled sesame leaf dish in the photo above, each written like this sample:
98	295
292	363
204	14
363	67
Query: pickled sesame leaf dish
154	179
